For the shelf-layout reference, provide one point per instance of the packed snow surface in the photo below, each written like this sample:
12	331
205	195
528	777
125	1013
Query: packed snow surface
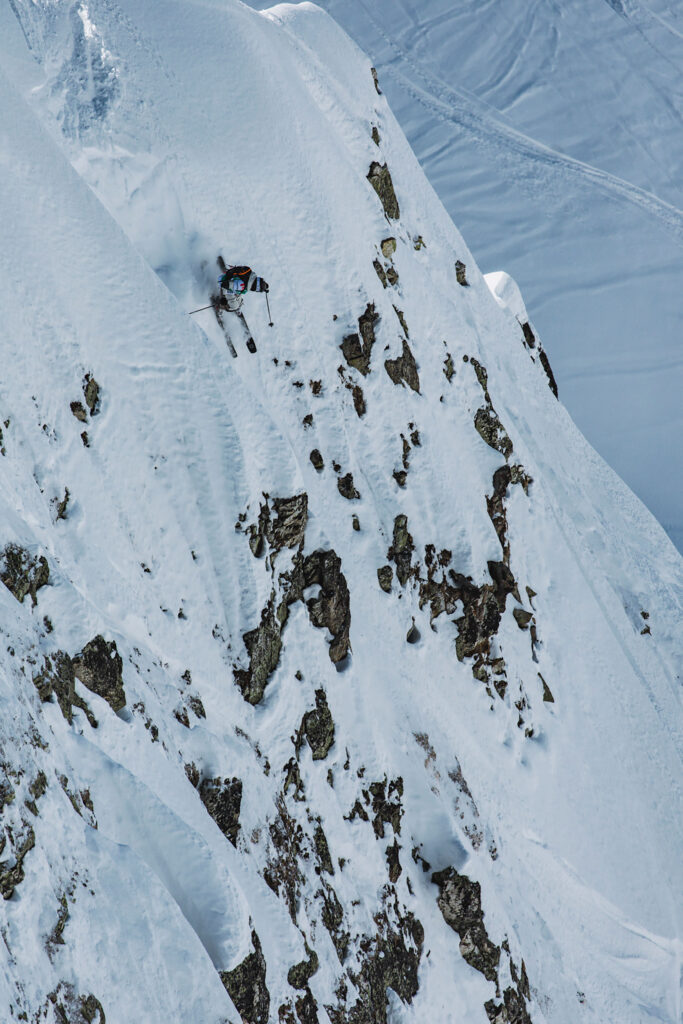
553	134
540	758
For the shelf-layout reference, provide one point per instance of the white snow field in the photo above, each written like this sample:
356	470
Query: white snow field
553	134
506	707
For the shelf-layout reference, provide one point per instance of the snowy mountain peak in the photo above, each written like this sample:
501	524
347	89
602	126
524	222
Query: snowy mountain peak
340	676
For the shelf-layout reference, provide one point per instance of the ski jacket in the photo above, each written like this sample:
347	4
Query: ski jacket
238	280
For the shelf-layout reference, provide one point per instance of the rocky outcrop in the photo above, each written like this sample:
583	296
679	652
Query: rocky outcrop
12	874
347	488
65	1006
300	974
403	369
318	727
461	273
491	430
57	679
331	608
459	901
23	574
390	959
385	578
357	348
401	550
99	667
246	986
263	646
380	179
91	393
545	363
223	800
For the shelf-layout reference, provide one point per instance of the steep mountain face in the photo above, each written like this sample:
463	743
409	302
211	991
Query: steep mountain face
340	681
553	135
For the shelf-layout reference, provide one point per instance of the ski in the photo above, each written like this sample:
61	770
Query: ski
215	302
250	343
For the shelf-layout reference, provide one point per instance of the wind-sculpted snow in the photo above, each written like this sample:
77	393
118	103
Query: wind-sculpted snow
340	680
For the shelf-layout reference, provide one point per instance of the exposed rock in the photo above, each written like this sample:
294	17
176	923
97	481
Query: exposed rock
385	576
307	1008
246	986
91	393
288	528
69	1008
529	336
263	646
375	135
322	851
55	936
317	460
290	525
390	960
400	476
78	410
376	81
448	367
547	695
545	363
388	247
282	873
355	523
63	505
358	400
419	243
459	901
23	574
346	487
331	608
332	916
413	634
402	320
92	1010
404	368
522	617
511	1011
381	273
318	727
461	273
223	800
11	875
386	811
392	275
196	705
357	348
393	862
100	669
57	678
300	974
380	179
401	550
492	430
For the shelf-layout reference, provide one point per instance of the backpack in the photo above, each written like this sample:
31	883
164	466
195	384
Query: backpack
236	279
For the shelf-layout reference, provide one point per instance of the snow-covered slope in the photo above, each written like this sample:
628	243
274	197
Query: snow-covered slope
553	133
387	734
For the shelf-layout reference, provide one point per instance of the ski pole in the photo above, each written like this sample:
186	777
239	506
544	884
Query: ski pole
210	306
269	315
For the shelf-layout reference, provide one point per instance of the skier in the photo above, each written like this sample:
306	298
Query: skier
235	283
